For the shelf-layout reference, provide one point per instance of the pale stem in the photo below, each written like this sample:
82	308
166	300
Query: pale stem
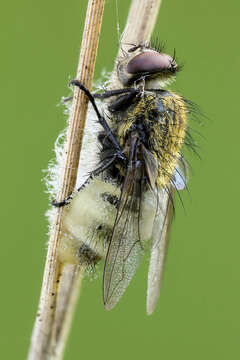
46	336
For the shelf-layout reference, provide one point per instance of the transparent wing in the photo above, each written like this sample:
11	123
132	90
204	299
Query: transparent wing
159	248
179	178
126	247
160	235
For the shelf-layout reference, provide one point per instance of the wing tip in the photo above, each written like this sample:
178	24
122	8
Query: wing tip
109	306
108	302
149	312
152	300
150	308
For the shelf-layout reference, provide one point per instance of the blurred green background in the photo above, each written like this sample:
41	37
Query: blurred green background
198	315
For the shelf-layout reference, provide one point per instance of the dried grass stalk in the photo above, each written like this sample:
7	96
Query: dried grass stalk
51	326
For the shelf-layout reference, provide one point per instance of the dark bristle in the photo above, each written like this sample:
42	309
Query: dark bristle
194	111
169	192
181	200
156	44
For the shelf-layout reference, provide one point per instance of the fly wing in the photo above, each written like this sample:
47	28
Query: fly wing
151	167
159	248
160	235
179	178
126	246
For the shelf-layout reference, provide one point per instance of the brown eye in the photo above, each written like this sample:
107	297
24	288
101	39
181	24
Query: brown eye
151	61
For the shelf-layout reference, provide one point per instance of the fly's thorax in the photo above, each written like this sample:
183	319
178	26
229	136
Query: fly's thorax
160	116
88	222
168	134
136	116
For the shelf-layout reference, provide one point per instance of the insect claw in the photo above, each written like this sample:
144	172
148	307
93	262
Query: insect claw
77	83
60	203
121	156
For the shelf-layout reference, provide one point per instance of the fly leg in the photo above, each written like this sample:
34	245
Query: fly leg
62	203
95	172
118	154
126	98
101	119
122	102
106	94
110	93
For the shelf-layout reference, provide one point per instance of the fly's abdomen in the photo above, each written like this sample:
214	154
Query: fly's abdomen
88	222
167	135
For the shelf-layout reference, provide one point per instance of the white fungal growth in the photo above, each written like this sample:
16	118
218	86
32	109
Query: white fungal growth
88	159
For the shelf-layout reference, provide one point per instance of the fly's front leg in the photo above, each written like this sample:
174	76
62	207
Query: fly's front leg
101	119
118	153
109	93
122	102
129	92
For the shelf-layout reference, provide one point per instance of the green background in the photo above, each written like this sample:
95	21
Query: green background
198	315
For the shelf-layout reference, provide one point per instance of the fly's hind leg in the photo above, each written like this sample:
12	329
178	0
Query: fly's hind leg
68	199
95	172
61	203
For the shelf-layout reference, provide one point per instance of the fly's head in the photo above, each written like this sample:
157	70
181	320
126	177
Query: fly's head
143	62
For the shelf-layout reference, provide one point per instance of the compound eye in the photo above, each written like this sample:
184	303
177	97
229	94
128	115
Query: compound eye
151	61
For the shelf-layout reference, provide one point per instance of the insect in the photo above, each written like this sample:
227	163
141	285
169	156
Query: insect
125	205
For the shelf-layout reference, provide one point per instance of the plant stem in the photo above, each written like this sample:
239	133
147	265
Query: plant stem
50	333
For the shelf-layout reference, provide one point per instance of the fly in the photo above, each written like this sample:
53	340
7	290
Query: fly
125	206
